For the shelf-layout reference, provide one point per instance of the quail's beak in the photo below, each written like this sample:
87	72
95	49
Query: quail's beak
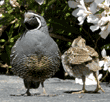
25	20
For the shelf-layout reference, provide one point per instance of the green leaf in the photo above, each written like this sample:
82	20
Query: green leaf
2	40
12	40
69	43
67	14
10	67
10	11
69	34
16	25
80	29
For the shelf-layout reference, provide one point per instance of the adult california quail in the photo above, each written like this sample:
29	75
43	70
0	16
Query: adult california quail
35	55
80	60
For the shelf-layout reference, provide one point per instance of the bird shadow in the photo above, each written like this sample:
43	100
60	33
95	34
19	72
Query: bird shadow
18	95
36	94
76	92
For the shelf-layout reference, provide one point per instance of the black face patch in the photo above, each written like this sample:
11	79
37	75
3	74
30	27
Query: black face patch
32	23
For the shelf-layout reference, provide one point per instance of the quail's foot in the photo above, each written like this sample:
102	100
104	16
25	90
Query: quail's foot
79	92
26	94
97	89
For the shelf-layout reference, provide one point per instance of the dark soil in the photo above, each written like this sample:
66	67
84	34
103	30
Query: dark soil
12	88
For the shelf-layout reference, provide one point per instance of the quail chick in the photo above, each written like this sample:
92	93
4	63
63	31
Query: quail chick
80	60
35	56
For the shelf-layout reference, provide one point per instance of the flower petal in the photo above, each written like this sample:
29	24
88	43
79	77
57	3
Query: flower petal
88	1
80	12
108	28
109	69
103	21
74	13
107	3
82	3
93	8
81	19
105	67
104	34
92	19
98	1
72	4
94	28
77	80
103	53
101	63
103	28
100	76
2	2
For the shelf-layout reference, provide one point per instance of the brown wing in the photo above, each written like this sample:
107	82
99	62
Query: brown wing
77	55
93	65
92	52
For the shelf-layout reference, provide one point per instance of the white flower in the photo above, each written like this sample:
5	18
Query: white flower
2	2
103	53
104	20
72	4
106	62
105	29
0	15
90	80
81	12
104	5
100	20
40	2
88	0
98	1
101	63
92	19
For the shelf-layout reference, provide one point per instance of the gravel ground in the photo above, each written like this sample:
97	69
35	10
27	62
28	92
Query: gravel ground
12	88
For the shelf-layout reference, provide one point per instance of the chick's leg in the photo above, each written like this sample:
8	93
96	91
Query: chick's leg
98	84
83	89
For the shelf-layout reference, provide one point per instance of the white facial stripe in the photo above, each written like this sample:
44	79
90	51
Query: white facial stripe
37	17
38	22
31	13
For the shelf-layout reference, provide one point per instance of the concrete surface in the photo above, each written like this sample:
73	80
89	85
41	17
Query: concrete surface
12	88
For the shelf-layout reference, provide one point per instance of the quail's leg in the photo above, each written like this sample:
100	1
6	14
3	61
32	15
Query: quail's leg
44	92
98	85
83	89
27	92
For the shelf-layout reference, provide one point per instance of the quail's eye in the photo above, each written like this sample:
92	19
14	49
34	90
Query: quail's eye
33	16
